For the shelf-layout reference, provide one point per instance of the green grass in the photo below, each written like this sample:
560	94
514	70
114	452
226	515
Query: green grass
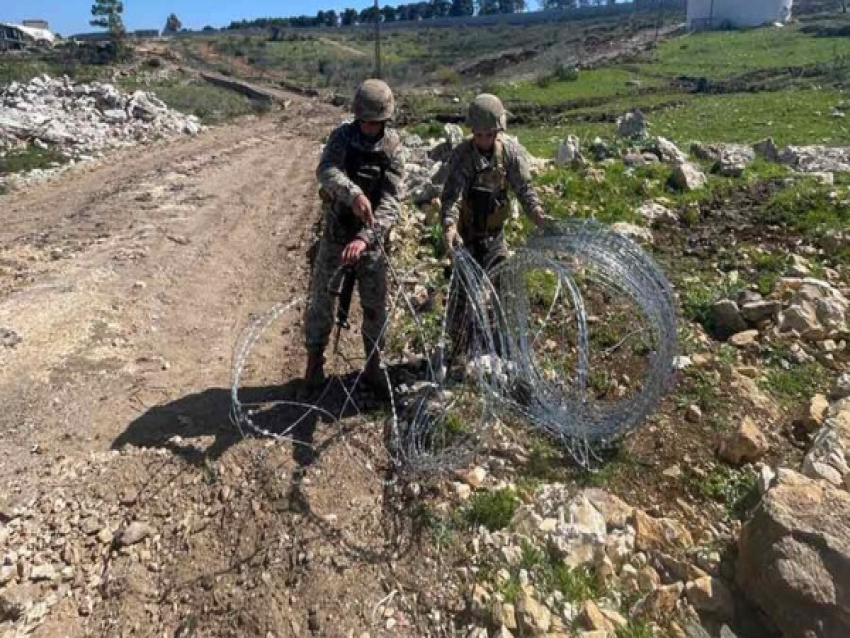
769	266
702	389
550	575
727	53
30	158
443	530
26	68
794	116
735	489
809	208
543	141
598	83
609	469
798	383
493	510
571	194
211	104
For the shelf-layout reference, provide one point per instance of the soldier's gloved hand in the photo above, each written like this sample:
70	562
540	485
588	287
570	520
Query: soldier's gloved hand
352	251
362	209
451	238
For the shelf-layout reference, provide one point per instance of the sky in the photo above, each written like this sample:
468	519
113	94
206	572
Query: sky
72	16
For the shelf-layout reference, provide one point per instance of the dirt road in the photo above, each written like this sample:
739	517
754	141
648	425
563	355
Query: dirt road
123	287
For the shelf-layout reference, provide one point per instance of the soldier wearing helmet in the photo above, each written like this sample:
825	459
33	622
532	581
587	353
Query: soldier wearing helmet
361	179
475	204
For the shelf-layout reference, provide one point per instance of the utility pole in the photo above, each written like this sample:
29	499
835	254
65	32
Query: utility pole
377	40
660	19
711	16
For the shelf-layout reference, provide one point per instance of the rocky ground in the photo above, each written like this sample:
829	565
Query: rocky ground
133	507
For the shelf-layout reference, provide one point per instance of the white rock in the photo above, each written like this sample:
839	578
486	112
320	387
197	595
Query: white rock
632	125
569	153
656	214
669	152
688	176
7	574
43	572
475	477
462	490
632	231
841	387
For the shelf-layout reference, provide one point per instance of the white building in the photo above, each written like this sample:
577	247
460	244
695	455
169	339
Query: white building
704	14
16	36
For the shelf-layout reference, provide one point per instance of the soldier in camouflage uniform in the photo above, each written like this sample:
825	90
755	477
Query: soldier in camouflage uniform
481	171
475	204
361	178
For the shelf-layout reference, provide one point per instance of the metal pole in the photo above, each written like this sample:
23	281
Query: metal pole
711	16
377	40
659	19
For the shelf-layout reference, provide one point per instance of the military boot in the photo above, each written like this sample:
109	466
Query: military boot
376	378
314	377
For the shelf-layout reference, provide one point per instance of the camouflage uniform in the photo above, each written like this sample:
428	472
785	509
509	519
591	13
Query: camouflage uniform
475	196
352	165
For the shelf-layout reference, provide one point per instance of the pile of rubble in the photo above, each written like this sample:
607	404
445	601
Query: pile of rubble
82	120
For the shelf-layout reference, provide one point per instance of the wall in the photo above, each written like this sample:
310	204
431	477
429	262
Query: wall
738	13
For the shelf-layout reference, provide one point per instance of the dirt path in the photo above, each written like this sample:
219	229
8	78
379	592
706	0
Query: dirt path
127	284
343	47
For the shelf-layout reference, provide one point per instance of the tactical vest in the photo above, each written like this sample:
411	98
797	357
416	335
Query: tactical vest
367	169
485	207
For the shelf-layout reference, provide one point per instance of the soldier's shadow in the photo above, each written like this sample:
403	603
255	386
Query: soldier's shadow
185	425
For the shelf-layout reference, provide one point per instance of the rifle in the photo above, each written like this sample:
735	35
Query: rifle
342	286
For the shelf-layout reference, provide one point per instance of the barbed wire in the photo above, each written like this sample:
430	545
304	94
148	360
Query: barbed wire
493	326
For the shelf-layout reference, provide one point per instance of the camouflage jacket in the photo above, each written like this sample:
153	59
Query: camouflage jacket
467	161
339	190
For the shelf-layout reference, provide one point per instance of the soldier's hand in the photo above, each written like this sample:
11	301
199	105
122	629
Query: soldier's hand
352	251
451	238
362	208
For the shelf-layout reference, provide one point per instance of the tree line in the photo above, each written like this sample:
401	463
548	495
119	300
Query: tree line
412	12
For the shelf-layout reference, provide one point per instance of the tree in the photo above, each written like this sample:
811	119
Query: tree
462	8
106	14
331	19
172	24
349	17
369	16
441	8
511	6
390	14
560	4
488	7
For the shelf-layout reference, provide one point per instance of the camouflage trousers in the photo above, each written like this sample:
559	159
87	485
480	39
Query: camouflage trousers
488	253
371	273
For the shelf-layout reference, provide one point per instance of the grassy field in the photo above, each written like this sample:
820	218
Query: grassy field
727	53
341	58
24	69
800	105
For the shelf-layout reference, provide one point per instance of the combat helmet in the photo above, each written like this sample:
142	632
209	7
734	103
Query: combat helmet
373	102
487	113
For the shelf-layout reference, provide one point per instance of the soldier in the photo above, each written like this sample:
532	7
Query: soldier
475	205
361	178
475	197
